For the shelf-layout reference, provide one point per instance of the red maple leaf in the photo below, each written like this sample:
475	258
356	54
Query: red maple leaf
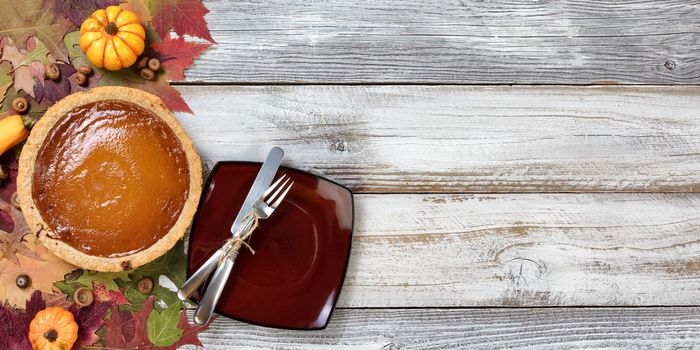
184	16
165	91
15	324
128	330
189	332
89	320
176	55
102	294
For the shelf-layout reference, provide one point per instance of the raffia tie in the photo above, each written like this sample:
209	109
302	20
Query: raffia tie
241	238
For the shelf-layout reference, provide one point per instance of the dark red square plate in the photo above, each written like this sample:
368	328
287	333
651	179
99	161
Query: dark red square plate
301	252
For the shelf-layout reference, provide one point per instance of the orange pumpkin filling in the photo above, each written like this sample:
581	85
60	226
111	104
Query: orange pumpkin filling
110	179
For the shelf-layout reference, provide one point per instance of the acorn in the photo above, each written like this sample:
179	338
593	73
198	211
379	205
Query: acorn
154	64
52	72
83	297
147	74
23	281
81	79
145	285
20	105
86	70
143	62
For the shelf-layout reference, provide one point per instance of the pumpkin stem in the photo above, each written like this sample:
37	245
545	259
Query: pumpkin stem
111	28
51	335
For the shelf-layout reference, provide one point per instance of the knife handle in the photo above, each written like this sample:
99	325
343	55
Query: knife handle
214	290
200	275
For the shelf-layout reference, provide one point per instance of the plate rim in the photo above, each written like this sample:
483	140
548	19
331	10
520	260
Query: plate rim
210	176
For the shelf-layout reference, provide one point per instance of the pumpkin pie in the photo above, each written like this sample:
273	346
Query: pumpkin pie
108	180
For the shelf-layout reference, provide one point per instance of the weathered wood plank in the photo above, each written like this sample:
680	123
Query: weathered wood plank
452	41
524	250
393	329
461	139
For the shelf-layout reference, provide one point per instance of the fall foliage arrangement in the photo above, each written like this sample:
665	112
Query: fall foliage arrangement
41	47
48	50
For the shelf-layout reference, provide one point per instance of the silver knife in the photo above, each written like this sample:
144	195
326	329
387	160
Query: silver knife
213	293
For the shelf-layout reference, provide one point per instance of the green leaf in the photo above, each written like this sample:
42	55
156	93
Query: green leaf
35	112
162	326
39	53
172	265
5	79
72	42
68	288
106	278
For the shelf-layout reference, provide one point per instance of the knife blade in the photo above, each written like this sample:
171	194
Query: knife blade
262	182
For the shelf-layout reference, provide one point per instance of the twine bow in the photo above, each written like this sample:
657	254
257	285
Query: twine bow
240	238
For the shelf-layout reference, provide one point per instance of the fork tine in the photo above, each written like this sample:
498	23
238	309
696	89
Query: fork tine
277	192
281	197
273	186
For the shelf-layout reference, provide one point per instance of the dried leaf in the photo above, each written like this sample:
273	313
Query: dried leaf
162	326
78	10
43	274
176	55
55	90
11	243
20	20
27	64
56	299
89	320
186	17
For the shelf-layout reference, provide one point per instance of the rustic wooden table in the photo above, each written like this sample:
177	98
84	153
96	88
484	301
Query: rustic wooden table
527	172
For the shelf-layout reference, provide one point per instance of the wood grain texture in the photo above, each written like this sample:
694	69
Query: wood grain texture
452	41
460	139
394	329
524	250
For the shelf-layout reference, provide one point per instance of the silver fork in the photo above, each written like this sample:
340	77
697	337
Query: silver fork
262	209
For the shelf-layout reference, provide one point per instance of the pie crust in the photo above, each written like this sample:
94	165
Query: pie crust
28	161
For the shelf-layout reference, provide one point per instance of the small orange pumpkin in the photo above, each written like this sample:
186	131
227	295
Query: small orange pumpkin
53	328
112	38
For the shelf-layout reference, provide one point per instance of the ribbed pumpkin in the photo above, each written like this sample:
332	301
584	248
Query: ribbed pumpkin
53	328
112	38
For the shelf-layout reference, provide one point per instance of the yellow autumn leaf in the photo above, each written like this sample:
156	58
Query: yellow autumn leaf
43	274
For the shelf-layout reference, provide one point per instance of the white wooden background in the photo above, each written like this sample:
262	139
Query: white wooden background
527	172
